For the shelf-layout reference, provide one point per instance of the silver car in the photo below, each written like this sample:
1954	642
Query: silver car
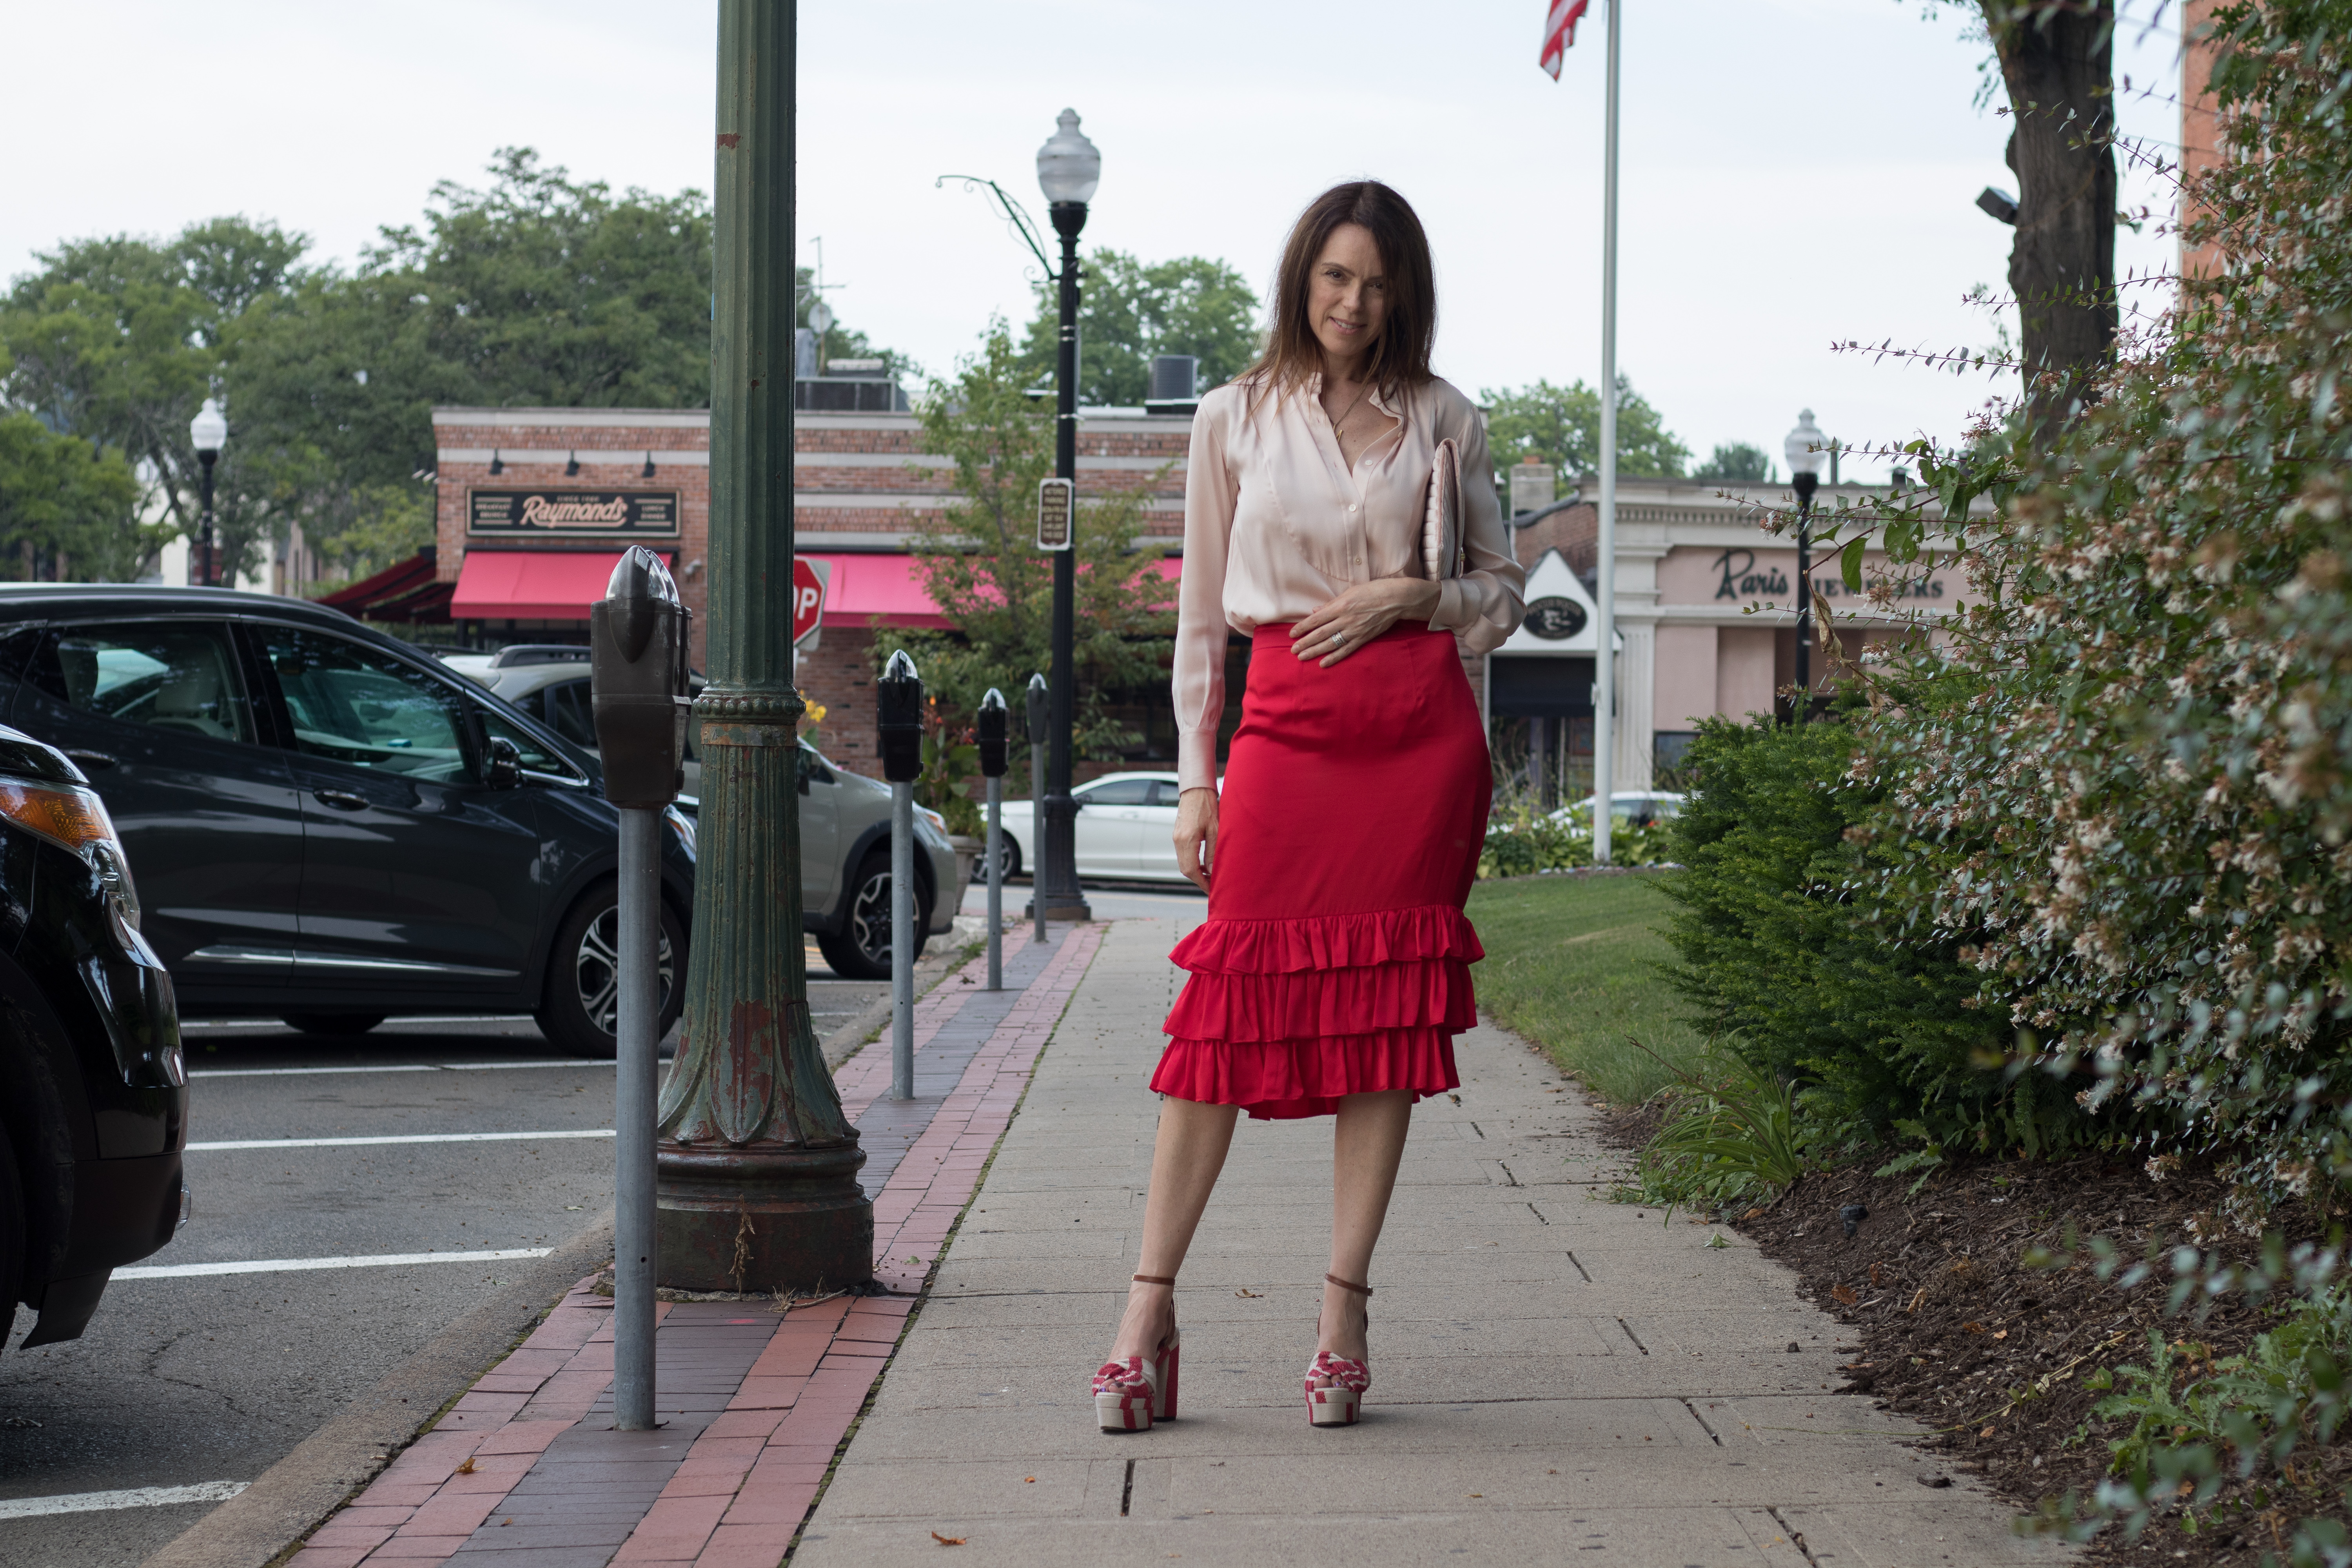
845	817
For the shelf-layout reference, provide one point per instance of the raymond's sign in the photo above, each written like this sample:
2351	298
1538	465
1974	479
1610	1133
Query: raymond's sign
569	514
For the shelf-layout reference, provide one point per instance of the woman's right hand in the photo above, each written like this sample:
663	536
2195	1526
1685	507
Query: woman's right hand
1196	833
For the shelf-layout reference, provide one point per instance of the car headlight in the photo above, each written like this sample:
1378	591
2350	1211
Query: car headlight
75	819
934	818
681	825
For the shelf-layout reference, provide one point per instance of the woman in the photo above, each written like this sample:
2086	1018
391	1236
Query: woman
1332	972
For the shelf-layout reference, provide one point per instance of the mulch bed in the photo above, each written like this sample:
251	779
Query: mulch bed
1958	1333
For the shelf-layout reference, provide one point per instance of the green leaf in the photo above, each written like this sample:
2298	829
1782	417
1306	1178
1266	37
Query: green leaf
1850	563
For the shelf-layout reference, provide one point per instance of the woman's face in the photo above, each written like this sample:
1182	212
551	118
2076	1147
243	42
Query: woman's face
1348	294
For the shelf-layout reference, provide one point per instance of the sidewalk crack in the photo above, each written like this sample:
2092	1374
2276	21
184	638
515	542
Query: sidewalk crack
1126	1491
1702	1423
1581	1274
1796	1538
1630	1334
1538	1213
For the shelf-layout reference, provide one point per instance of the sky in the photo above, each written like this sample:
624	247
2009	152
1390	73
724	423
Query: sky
1794	174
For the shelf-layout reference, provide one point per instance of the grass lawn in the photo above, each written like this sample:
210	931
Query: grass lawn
1573	962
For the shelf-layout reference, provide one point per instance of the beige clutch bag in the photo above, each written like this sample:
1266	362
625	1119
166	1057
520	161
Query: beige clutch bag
1442	551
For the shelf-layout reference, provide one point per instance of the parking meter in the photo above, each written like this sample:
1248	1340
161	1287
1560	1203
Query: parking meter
992	717
901	718
637	668
1036	731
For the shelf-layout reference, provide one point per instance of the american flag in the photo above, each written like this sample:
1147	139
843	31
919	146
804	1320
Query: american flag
1560	32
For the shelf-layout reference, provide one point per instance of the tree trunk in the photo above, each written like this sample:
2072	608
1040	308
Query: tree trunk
2058	62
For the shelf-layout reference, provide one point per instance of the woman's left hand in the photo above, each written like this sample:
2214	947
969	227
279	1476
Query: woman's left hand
1359	615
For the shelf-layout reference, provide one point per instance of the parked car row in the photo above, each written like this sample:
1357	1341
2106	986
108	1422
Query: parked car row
1125	829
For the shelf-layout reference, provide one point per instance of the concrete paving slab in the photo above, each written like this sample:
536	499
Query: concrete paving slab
1555	1377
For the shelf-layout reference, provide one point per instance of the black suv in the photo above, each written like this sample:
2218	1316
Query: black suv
93	1092
328	825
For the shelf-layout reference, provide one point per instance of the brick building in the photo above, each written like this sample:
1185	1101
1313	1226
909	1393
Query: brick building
536	504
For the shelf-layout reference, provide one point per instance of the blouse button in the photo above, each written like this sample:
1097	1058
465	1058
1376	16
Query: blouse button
1351	506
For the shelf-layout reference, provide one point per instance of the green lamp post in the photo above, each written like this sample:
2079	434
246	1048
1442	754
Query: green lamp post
758	1188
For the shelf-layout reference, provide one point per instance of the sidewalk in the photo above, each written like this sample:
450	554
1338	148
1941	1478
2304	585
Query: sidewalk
1552	1373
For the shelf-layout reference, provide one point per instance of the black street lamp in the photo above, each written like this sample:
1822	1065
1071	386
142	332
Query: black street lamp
208	432
1068	170
1808	451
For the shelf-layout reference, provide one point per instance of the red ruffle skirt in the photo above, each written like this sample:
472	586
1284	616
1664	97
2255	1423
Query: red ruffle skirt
1336	958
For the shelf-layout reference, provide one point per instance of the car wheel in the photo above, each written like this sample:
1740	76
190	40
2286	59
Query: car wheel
12	1236
580	1015
333	1023
861	949
1009	852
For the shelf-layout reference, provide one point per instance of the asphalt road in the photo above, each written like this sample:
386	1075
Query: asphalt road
184	1380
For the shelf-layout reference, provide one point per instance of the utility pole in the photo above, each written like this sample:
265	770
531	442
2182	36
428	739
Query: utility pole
759	1186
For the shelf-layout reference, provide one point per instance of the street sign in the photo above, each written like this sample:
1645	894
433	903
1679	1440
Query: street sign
810	580
1055	504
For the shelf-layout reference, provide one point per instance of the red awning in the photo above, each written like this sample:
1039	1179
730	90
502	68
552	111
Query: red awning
865	587
535	585
409	592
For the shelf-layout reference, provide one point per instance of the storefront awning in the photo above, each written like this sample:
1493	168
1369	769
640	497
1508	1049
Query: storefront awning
886	588
535	585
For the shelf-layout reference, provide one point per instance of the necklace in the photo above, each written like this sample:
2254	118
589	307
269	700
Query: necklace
1339	425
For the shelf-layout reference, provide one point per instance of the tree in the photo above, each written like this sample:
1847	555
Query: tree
980	564
2058	64
1561	425
1736	463
1130	312
117	340
68	510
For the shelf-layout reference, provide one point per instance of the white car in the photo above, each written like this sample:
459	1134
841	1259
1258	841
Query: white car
1126	829
1641	808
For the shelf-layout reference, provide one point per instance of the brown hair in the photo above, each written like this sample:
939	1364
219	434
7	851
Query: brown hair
1400	356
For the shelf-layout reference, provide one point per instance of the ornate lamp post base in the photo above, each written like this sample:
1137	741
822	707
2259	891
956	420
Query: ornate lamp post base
764	1219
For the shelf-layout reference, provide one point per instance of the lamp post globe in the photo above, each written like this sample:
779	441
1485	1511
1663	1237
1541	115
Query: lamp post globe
1808	452
207	433
820	321
1069	168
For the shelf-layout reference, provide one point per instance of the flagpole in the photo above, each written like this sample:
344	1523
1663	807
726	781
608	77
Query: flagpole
1604	652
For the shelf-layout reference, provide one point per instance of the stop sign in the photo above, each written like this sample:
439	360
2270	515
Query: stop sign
808	597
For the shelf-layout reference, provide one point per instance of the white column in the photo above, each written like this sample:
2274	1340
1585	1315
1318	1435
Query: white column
1637	680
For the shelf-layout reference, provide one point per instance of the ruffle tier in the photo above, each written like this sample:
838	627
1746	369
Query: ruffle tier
1284	1017
1328	941
1280	1079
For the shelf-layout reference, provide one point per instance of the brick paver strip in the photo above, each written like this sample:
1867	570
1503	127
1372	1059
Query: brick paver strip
525	1470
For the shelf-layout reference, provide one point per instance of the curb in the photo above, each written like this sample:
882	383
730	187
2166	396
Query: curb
290	1498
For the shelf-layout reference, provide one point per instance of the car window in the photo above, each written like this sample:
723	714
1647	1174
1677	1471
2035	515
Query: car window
570	710
167	675
1164	792
356	705
813	766
1118	791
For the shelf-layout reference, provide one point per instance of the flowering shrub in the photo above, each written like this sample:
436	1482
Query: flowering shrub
2119	781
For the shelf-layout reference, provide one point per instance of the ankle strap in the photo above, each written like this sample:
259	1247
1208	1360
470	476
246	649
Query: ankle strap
1154	1279
1346	1285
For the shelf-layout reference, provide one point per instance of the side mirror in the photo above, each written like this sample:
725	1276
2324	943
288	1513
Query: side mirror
506	764
801	769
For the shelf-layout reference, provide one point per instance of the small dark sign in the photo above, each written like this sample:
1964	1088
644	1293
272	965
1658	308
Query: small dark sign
1555	619
555	514
1053	501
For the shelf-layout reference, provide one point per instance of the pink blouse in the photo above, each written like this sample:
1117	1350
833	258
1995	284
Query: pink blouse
1276	525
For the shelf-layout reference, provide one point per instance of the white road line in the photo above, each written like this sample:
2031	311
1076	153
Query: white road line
296	1264
428	1067
137	1496
402	1137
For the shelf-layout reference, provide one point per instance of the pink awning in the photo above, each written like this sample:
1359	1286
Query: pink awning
867	586
535	585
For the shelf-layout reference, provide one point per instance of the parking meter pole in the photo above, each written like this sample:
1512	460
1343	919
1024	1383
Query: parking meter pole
635	1242
902	941
992	731
899	731
758	1166
1037	722
995	884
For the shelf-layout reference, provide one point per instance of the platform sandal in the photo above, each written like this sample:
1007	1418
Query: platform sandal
1133	1392
1341	1399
